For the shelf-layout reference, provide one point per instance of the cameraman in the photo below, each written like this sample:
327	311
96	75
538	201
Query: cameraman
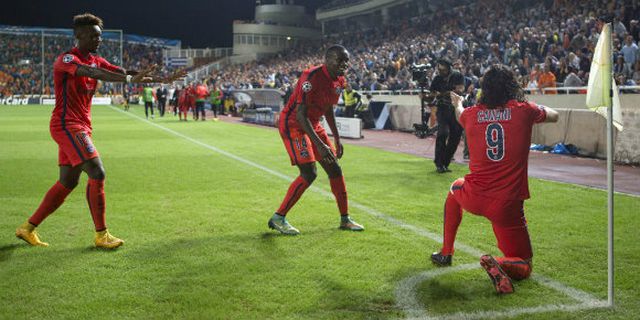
449	130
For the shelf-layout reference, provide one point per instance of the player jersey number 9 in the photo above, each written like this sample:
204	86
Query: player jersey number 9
495	141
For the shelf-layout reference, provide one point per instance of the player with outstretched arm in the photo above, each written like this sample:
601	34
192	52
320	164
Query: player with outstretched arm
75	74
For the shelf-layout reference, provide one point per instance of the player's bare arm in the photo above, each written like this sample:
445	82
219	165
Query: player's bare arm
331	120
139	77
457	100
552	115
106	75
305	124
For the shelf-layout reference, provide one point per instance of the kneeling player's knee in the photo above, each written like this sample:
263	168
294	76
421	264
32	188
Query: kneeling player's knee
521	272
516	268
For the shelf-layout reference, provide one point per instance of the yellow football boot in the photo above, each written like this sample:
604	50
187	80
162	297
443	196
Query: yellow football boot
105	240
28	233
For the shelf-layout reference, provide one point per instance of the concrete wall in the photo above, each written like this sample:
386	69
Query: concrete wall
279	37
356	9
577	125
281	14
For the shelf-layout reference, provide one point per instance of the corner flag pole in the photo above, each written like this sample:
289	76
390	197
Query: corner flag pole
610	180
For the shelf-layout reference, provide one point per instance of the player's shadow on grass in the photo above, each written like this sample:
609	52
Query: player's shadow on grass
96	249
7	250
343	296
270	235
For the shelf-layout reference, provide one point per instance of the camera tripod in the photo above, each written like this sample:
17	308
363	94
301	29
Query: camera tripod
422	129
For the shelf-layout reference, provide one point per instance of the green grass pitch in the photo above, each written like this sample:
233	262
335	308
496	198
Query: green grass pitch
197	244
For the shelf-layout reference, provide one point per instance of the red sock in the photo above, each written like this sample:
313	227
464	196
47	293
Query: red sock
296	189
516	268
97	205
339	190
452	218
52	201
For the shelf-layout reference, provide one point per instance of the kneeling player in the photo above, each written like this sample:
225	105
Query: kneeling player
306	141
499	133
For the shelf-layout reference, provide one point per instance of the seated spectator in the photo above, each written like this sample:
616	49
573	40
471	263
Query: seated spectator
547	80
621	68
636	72
572	80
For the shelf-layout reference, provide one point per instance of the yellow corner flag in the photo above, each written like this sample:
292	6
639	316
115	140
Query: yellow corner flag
601	80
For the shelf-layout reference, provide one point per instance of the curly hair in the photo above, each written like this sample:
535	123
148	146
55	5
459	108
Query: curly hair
86	19
499	85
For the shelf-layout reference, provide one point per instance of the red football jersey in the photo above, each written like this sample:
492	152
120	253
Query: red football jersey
315	89
190	98
73	94
499	141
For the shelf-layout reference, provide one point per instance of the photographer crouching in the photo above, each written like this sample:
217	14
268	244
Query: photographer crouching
449	130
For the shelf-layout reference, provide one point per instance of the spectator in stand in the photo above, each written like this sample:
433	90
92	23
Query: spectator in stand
621	67
547	80
636	72
618	27
562	71
572	80
630	51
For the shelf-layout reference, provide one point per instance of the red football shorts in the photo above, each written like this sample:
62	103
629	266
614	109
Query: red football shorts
506	216
74	145
299	146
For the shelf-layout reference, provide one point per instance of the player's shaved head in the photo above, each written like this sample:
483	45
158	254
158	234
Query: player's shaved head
86	19
499	85
337	60
335	50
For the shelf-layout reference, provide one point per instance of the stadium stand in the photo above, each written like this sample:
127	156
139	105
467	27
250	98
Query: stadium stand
21	69
527	35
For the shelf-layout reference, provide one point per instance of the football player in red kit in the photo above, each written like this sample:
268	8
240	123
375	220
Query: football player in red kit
499	135
75	75
306	141
183	103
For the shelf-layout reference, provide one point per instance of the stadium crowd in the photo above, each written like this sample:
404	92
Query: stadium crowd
548	44
21	68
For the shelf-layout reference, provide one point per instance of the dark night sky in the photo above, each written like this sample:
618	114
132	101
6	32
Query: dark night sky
198	23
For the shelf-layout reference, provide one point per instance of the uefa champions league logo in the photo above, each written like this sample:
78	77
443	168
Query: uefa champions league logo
306	86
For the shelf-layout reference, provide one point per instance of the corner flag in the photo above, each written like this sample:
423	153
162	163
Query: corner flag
601	82
605	101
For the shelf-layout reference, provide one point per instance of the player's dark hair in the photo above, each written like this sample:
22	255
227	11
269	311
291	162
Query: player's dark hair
86	19
334	49
499	85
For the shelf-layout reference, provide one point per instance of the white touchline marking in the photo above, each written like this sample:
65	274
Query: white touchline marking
586	300
407	298
406	292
